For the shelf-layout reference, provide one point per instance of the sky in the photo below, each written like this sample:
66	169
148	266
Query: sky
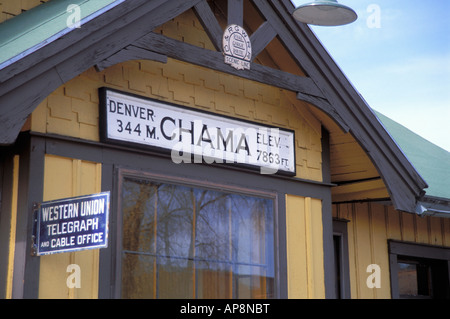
397	55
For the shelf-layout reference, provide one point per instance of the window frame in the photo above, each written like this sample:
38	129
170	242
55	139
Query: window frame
123	173
404	251
340	231
113	158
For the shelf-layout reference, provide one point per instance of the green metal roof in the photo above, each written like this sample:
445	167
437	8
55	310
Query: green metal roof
43	24
431	161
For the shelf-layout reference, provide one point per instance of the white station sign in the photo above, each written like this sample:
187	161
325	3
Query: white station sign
192	136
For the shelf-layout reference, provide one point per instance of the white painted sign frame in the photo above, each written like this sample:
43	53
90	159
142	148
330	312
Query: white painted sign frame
193	136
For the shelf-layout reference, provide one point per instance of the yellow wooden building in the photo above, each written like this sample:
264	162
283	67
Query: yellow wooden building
347	216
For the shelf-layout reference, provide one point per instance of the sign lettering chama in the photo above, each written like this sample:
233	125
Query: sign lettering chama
184	133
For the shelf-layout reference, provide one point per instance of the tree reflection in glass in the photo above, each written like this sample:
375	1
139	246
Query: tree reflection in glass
186	242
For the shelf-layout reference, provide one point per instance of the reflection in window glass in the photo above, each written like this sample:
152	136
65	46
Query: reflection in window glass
185	242
407	279
414	279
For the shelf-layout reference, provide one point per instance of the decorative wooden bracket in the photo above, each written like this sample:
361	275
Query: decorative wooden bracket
131	52
157	47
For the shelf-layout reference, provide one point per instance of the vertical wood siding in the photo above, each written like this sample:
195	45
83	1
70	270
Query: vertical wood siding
370	227
67	177
304	236
12	228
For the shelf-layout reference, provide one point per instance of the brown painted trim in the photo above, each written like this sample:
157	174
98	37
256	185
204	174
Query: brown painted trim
31	180
414	250
404	183
214	184
30	80
210	24
114	158
214	60
6	191
130	53
261	38
235	12
66	146
24	84
340	230
419	250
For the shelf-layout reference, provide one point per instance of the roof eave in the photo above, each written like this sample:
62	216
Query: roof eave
403	181
57	63
433	206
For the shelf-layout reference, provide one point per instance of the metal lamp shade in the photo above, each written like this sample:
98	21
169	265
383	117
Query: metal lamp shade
325	13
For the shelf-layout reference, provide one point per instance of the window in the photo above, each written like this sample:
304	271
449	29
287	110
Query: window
337	265
191	242
341	266
421	278
414	279
419	271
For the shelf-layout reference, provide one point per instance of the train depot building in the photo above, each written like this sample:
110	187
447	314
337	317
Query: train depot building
204	149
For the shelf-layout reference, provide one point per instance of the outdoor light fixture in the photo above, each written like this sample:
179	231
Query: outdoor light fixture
325	13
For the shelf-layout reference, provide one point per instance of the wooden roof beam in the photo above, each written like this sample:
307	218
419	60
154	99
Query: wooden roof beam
130	53
24	84
214	60
261	38
236	12
209	23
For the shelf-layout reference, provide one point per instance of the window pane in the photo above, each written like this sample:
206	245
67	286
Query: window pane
139	206
414	279
214	280
138	276
253	283
175	213
424	280
253	232
407	279
175	278
337	265
213	222
185	242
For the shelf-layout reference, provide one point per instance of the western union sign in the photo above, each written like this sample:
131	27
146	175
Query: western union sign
72	224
